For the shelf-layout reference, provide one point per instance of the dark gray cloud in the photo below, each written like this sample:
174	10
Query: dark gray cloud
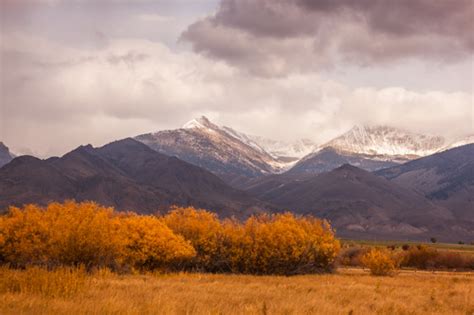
274	37
86	71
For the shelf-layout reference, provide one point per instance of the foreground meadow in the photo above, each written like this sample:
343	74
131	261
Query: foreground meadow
349	291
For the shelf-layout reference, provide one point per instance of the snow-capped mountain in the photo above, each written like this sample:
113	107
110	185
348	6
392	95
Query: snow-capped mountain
234	155
221	150
370	148
386	143
460	142
289	150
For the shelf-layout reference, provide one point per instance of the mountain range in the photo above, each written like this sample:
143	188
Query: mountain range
371	182
239	158
125	174
446	178
360	204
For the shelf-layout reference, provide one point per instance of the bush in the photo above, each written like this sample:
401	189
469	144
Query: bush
203	230
150	244
86	234
352	256
420	257
380	262
75	234
453	260
62	234
278	244
285	244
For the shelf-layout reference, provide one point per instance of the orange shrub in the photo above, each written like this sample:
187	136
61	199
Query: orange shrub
423	257
380	262
61	234
420	257
72	234
150	244
284	244
351	256
279	244
202	229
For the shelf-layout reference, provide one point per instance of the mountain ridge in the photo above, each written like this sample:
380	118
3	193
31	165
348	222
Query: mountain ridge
125	174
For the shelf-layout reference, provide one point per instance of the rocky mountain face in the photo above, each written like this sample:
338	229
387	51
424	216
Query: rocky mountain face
360	204
373	148
386	143
125	174
329	158
446	178
221	150
5	155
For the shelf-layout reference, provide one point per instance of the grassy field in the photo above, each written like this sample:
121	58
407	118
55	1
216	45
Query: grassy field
349	291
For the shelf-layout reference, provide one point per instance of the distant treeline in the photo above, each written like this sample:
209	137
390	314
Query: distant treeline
90	235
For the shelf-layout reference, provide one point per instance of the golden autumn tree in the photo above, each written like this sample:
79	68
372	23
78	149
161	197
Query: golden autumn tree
202	228
150	244
67	233
72	234
265	244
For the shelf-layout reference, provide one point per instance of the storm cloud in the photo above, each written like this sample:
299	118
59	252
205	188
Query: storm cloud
78	72
276	37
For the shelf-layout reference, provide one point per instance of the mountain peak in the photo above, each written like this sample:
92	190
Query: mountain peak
386	141
202	123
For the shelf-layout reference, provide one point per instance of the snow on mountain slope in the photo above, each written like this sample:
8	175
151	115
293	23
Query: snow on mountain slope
285	149
386	143
460	142
232	154
220	150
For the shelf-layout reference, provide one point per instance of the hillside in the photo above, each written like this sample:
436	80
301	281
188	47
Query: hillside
329	158
202	143
446	178
5	155
125	174
362	205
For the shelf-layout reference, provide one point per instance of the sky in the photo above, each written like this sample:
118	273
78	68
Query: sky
75	72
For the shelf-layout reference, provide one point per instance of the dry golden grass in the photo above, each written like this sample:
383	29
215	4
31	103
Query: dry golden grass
347	292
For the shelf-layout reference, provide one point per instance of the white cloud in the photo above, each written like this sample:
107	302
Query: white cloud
55	98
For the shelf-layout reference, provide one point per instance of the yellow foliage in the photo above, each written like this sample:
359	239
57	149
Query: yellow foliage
202	228
279	244
380	262
62	234
76	234
151	244
72	234
285	244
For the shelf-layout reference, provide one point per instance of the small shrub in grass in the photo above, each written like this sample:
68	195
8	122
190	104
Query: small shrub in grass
453	260
380	262
420	257
351	256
